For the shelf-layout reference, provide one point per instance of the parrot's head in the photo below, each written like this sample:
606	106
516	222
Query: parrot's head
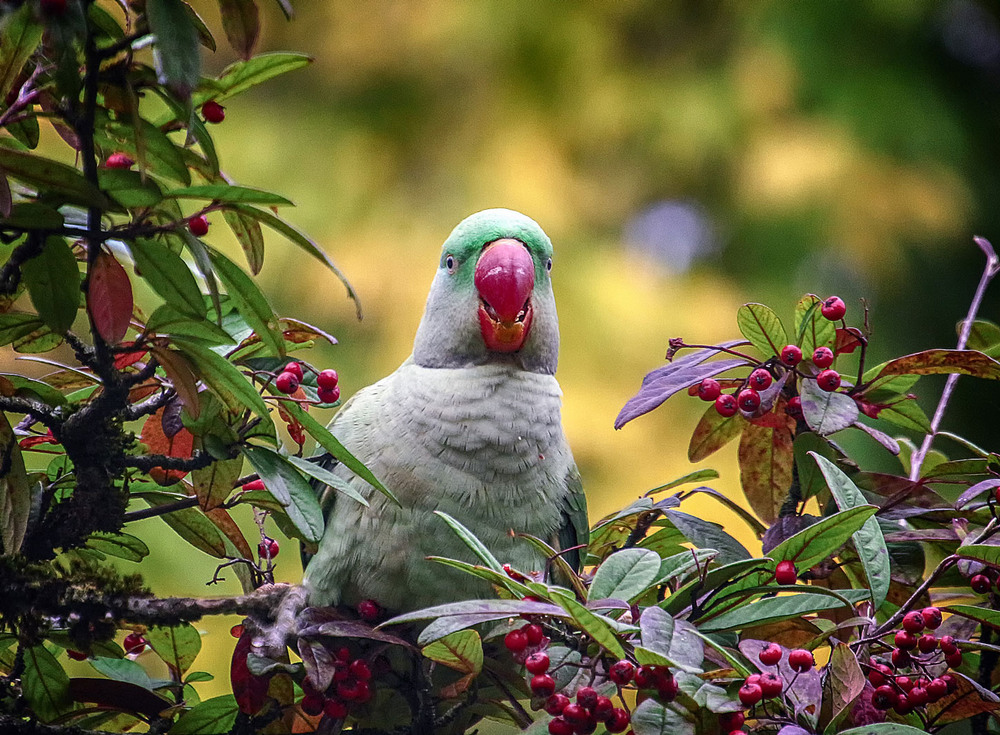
491	299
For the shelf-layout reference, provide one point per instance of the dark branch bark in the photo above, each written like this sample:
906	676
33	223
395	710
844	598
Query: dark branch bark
146	462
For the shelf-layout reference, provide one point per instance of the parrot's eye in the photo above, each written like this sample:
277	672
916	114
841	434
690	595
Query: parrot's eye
548	265
449	263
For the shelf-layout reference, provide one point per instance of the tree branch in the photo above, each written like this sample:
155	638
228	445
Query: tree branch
145	462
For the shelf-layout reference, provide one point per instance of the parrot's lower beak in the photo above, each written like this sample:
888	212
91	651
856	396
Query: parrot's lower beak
505	278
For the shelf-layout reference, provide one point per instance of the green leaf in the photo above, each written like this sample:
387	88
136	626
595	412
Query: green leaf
251	239
53	282
984	615
44	684
762	327
214	483
713	432
708	535
981	552
177	645
250	301
776	609
15	325
18	385
241	24
176	53
652	718
908	414
121	545
811	327
208	718
324	475
168	320
167	273
625	575
461	651
42	339
670	638
813	544
868	540
123	669
339	452
290	489
811	480
130	189
475	545
766	461
144	142
52	177
983	337
302	240
20	35
225	380
594	625
192	525
15	491
33	216
243	75
231	194
885	728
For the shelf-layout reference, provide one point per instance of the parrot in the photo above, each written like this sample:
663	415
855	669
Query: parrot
469	424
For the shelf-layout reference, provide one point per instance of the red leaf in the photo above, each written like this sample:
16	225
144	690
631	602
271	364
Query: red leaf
125	359
847	340
766	459
109	298
250	691
180	444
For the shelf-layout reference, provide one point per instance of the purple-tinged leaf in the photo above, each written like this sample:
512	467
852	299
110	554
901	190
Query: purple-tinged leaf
784	528
975	491
845	677
826	412
695	358
656	390
766	460
880	436
934	362
241	23
320	663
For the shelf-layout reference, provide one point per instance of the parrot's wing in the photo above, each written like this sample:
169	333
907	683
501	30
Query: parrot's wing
575	529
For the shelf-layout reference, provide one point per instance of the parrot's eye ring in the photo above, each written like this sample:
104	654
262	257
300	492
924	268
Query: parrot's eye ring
548	265
449	263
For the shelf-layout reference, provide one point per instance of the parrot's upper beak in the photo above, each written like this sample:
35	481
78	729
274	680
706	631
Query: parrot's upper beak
505	277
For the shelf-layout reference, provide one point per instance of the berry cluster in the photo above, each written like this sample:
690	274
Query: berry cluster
915	648
351	686
747	396
771	684
583	715
327	382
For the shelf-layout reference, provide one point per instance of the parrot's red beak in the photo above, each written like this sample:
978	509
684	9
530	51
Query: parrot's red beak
505	277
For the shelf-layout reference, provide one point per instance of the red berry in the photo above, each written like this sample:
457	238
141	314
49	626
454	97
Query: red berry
666	686
586	697
927	643
236	631
932	617
760	379
576	713
709	389
947	644
750	694
295	369
328	395
312	704
903	705
335	709
876	678
118	160
833	308
729	721
753	679
286	383
905	640
602	709
198	226
534	632
76	655
350	690
904	682
537	663
936	689
980	583
828	380
770	655
801	660
555	704
268	548
794	407
823	357
327	379
559	726
368	610
618	720
359	669
771	684
134	643
954	660
543	685
213	112
621	672
726	405
784	572
254	485
884	697
748	400
791	355
900	657
918	696
913	622
515	641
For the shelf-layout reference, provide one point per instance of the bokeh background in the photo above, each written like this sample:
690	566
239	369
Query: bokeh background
684	157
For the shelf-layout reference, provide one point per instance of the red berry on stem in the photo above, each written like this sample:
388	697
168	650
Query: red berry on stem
726	405
784	572
268	548
602	709
76	655
534	632
118	160
833	308
198	225
515	641
644	677
913	621
770	655
555	704
900	657
618	721
876	678
760	379
359	669
621	672
134	643
748	400
537	663
335	709
947	644
213	112
312	704
884	697
927	643
936	689
236	631
559	726
905	640
750	694
729	721
918	696
954	660
666	686
709	389
791	355
586	697
369	611
286	383
801	660
823	357
904	682
903	705
794	407
295	369
932	617
949	682
771	684
980	583
828	380
327	379
328	395
576	713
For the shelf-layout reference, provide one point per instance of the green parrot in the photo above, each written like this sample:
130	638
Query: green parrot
469	425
